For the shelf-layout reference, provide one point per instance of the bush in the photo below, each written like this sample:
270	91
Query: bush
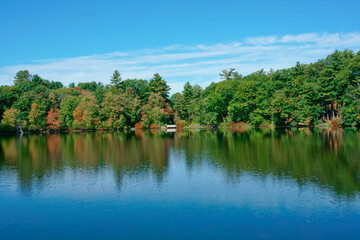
138	125
180	124
153	125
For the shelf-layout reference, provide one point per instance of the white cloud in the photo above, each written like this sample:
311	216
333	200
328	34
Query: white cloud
199	64
261	40
301	38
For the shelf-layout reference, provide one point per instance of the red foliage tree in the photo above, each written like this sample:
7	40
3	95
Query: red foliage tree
52	120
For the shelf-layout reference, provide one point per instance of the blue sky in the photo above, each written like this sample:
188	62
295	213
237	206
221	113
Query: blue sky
77	41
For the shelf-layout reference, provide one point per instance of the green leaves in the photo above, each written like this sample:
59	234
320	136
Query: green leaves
158	85
10	119
115	78
303	95
120	109
157	110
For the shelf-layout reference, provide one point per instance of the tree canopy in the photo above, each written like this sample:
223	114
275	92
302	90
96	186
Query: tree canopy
327	91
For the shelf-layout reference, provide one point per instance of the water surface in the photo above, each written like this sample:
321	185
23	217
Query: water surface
283	184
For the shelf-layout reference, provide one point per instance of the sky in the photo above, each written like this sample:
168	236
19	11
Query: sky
80	41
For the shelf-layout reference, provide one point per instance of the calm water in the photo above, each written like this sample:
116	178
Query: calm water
287	184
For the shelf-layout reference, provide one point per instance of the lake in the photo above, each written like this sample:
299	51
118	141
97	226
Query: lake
256	184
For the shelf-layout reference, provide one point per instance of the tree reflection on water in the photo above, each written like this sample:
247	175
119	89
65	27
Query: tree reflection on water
328	158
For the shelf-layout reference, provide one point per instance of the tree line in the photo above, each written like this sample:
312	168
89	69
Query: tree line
324	92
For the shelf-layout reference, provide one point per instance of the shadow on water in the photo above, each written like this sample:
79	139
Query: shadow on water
328	158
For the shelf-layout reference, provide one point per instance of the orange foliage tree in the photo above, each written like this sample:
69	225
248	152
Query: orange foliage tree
85	114
36	117
52	120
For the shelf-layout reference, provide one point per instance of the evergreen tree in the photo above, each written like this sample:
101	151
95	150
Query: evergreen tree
158	85
115	78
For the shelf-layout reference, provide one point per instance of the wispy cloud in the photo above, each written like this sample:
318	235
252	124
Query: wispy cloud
198	64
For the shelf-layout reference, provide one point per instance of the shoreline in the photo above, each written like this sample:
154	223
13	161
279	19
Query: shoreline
242	128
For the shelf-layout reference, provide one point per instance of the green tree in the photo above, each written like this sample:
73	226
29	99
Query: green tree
139	86
86	113
23	104
67	107
158	85
21	77
120	109
217	102
90	86
157	110
188	104
115	78
229	74
180	106
10	119
243	102
37	117
8	95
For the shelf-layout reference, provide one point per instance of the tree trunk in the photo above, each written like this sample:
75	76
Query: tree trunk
333	110
327	112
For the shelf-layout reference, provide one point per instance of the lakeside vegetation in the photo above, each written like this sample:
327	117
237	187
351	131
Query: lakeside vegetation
326	92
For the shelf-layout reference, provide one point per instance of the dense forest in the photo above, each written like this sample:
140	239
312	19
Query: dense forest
324	93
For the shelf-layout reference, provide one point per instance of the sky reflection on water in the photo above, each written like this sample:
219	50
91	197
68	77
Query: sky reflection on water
197	184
